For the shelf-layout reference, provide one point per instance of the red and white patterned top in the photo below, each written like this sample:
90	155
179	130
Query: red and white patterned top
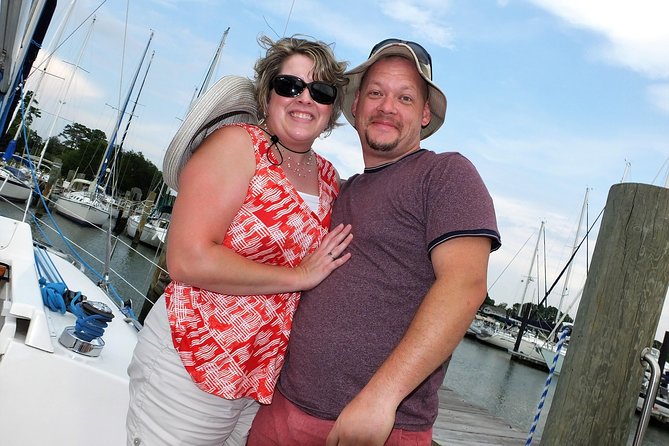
234	346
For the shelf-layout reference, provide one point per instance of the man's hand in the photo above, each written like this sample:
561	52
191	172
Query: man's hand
363	422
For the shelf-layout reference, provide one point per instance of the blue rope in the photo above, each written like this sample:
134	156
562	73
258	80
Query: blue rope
41	231
88	326
542	400
52	285
45	266
52	295
55	295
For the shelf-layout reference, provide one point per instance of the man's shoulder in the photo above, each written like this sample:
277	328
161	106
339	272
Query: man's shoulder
442	160
431	154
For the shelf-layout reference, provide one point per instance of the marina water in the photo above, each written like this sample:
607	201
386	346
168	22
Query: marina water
481	374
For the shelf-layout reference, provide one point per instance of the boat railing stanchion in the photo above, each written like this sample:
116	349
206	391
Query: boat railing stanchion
653	385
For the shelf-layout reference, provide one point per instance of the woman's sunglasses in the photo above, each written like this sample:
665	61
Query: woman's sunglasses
292	86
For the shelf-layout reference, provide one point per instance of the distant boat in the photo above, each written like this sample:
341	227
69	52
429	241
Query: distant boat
154	232
15	185
95	206
549	349
481	325
79	205
506	339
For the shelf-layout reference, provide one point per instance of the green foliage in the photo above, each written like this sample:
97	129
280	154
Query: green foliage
136	171
82	149
538	312
488	301
55	148
35	142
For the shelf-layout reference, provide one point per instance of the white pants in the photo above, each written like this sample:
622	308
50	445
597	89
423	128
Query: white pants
166	407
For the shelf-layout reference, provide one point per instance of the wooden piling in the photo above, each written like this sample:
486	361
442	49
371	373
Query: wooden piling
596	394
148	204
159	281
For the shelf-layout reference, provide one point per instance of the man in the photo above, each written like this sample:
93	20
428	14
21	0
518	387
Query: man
368	345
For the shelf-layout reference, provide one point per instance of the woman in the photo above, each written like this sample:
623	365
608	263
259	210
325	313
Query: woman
248	232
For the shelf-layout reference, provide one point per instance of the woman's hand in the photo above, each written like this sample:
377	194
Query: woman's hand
326	258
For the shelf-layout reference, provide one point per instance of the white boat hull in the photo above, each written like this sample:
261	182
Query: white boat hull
548	356
51	395
507	341
151	234
12	188
83	210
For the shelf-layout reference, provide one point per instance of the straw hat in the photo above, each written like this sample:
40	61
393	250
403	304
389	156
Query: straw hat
406	49
228	101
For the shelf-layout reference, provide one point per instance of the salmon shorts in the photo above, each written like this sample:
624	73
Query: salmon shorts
282	423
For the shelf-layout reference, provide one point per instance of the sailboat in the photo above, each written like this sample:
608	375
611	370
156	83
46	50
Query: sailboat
14	184
19	43
65	344
549	351
80	206
505	338
93	206
154	231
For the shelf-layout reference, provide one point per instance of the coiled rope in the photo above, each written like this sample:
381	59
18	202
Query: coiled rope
57	297
563	334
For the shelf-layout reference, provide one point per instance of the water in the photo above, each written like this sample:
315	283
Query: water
483	375
487	377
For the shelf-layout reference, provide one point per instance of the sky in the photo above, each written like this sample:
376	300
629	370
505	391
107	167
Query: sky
547	99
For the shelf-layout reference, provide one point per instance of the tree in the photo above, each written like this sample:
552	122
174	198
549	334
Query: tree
136	171
35	142
30	114
84	149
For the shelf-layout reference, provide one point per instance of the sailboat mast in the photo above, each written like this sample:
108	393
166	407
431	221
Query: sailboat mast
43	70
214	64
39	10
529	273
110	148
64	95
132	112
565	287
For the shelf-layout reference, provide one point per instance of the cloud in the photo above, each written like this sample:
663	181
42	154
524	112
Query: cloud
423	18
635	33
659	96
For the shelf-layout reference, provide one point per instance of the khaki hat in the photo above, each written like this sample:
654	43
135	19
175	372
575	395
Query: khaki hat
408	50
228	101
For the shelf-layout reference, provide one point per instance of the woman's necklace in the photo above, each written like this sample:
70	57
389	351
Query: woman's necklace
301	168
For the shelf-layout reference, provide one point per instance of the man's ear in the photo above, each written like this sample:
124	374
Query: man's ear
427	115
354	106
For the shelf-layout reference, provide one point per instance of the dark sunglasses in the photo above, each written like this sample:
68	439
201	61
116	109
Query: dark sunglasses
420	52
292	86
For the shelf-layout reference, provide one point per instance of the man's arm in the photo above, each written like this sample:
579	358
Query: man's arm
460	267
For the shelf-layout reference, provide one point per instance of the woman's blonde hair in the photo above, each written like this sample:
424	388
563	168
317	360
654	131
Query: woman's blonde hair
326	68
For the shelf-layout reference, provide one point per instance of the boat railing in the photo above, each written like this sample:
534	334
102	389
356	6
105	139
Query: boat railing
649	361
152	263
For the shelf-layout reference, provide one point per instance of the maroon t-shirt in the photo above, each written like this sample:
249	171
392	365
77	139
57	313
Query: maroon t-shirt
347	326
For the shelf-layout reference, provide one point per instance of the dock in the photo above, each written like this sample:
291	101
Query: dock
460	423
